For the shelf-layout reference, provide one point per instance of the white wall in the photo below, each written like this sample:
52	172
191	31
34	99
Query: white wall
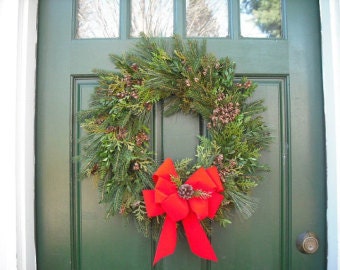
330	24
17	72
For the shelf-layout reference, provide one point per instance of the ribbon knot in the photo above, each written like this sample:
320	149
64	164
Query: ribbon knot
190	203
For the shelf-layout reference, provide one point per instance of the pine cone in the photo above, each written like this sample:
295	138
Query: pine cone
141	137
122	133
225	114
136	166
185	191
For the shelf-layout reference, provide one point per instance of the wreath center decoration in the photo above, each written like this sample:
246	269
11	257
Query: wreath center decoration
117	147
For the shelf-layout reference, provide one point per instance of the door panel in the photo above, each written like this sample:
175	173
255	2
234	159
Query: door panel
264	248
72	231
95	245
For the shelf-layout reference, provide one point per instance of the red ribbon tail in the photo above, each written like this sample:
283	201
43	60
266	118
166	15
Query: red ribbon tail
167	240
198	240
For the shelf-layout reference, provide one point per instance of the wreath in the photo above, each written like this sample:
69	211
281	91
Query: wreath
161	194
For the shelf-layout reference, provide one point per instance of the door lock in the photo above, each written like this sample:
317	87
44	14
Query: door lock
307	242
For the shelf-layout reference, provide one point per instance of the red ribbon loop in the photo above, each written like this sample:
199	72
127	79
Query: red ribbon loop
165	199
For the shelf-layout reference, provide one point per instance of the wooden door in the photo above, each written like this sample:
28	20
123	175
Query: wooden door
72	232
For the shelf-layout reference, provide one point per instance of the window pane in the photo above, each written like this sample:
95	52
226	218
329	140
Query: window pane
261	18
97	19
153	17
207	18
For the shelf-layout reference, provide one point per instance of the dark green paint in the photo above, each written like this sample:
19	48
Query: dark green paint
72	232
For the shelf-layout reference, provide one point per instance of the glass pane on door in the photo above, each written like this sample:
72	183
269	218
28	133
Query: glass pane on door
207	18
97	19
153	17
261	18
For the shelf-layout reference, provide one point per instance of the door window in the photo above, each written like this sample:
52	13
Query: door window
162	18
154	18
97	19
207	18
261	19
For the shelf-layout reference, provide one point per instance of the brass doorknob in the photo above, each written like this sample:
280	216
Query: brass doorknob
307	242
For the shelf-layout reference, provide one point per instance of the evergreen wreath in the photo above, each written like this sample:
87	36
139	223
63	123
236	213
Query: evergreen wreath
185	78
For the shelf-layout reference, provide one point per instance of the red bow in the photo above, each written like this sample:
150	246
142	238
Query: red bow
184	204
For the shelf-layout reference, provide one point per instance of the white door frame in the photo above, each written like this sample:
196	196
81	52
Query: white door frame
330	30
18	20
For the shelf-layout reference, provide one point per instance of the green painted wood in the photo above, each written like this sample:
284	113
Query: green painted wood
261	237
307	131
95	246
72	232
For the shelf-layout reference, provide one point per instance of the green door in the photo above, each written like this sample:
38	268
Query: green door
72	232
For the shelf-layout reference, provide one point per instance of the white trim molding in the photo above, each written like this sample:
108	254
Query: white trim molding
18	20
330	30
8	52
25	102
